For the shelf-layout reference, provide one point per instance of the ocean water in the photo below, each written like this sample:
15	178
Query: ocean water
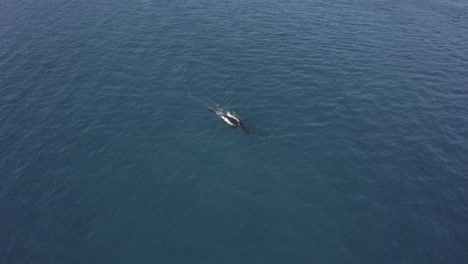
358	112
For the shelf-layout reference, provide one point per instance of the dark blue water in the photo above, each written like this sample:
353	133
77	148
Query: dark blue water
358	112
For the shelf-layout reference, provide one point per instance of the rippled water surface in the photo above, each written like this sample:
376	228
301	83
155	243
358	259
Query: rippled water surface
358	112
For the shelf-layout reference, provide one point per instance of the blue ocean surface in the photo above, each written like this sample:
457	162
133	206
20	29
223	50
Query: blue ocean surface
358	112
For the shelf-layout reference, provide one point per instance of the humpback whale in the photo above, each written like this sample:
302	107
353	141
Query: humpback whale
230	118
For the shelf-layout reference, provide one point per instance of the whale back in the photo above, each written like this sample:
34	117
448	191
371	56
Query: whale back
230	118
233	120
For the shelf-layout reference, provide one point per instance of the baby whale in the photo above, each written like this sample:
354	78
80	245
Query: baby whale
230	118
